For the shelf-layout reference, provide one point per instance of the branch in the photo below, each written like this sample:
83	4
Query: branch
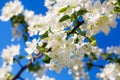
73	30
19	63
21	78
95	65
26	66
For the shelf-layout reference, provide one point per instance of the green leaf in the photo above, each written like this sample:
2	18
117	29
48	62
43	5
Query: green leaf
76	40
21	57
81	12
44	44
94	57
9	76
89	66
64	18
86	55
17	20
109	58
92	40
117	7
118	1
25	38
18	58
63	9
73	16
106	54
34	67
14	60
46	59
94	43
45	35
116	10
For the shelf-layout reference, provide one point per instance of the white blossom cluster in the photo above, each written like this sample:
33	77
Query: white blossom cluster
99	17
8	55
110	72
113	49
4	71
11	9
64	52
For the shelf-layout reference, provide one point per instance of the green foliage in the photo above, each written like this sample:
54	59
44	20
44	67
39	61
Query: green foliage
63	9
45	35
17	20
18	58
21	57
89	65
34	67
105	55
116	10
25	37
9	77
81	12
64	18
76	40
118	1
92	40
94	57
46	59
73	16
117	7
86	55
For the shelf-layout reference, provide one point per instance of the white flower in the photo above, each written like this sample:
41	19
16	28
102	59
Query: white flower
110	72
37	23
11	9
4	71
31	47
9	53
113	49
99	18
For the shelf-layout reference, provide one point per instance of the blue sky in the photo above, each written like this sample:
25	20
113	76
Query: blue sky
113	39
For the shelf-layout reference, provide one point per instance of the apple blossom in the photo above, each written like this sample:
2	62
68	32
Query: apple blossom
59	47
9	53
11	8
111	72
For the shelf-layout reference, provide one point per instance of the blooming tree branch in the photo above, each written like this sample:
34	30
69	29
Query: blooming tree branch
26	66
65	36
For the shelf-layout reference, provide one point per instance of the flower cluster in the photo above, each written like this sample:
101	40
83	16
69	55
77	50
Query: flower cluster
65	47
113	49
11	9
110	72
9	53
5	70
99	18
